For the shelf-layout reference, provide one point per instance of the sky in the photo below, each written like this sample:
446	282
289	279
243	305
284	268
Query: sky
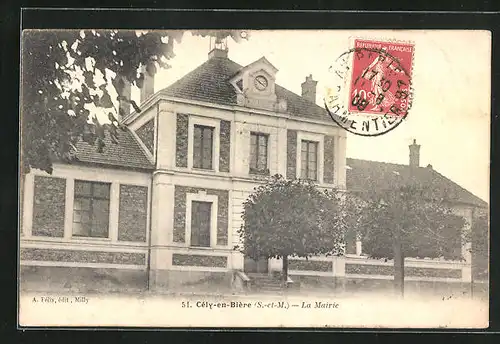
450	115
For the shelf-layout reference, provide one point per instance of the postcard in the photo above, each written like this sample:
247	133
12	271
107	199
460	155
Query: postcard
255	178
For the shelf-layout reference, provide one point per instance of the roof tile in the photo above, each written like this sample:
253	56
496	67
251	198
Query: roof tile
210	82
125	153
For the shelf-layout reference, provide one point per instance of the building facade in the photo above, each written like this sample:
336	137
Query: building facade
161	209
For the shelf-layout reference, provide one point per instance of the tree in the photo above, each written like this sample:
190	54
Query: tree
479	238
68	73
407	221
292	218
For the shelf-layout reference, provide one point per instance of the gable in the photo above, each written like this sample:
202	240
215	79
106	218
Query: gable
146	134
257	82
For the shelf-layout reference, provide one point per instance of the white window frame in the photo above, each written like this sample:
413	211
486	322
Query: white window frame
319	138
114	194
268	155
209	122
272	137
202	197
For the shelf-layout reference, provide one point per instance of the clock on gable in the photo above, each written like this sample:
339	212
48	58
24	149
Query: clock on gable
255	85
261	82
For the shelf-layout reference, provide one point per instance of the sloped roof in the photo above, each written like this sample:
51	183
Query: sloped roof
210	82
365	174
126	153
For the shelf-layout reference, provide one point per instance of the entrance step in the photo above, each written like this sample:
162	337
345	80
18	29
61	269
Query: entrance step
266	283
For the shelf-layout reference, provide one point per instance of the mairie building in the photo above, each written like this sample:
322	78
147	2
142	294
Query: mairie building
161	209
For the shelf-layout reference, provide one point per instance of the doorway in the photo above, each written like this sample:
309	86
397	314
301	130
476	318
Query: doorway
256	266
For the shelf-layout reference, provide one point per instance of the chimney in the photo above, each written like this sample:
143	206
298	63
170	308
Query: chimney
147	84
309	89
123	104
414	154
216	52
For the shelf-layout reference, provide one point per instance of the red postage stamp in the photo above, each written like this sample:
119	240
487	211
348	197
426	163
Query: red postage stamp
381	81
370	92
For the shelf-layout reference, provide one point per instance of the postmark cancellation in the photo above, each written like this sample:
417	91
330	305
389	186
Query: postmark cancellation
370	92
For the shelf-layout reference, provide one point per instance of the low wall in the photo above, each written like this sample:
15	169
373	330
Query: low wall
363	267
341	286
358	274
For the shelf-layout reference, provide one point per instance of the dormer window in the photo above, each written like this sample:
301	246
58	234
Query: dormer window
255	86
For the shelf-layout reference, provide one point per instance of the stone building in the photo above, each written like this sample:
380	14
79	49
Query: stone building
161	209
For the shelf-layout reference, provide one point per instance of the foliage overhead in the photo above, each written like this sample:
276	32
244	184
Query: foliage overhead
425	227
67	73
479	239
480	235
293	218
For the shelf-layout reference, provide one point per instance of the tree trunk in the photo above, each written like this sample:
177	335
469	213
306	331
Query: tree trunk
399	268
285	270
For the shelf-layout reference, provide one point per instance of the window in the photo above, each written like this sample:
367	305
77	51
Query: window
91	209
202	147
258	153
309	160
200	223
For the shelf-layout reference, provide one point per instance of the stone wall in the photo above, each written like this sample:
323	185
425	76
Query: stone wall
49	206
388	270
199	260
82	256
181	142
225	146
132	219
309	265
291	154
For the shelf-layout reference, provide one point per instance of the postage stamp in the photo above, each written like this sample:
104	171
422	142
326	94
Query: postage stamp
371	90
